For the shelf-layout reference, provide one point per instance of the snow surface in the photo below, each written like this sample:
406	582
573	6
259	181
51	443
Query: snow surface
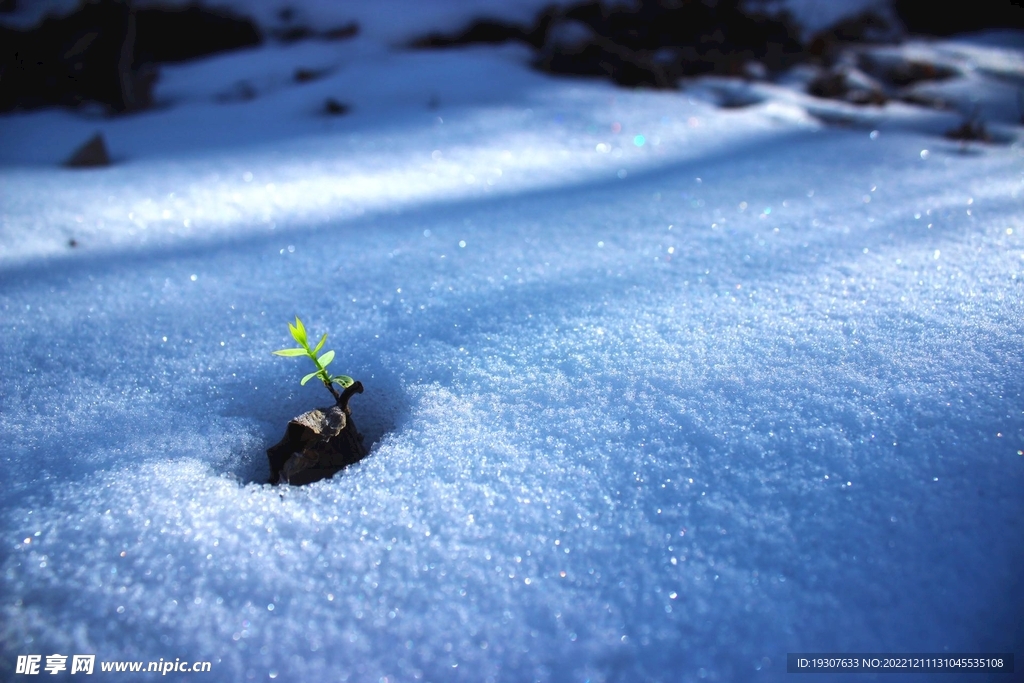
655	390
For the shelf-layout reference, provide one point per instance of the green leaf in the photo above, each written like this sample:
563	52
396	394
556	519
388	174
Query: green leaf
298	331
320	345
290	352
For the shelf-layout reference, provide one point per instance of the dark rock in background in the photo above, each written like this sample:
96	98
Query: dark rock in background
971	130
106	51
179	34
293	27
958	16
867	27
85	57
649	42
485	31
305	75
849	84
657	42
901	71
333	107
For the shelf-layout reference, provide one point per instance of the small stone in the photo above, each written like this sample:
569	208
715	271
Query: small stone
304	75
849	84
90	155
334	107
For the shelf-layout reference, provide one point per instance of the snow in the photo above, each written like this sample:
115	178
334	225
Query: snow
655	390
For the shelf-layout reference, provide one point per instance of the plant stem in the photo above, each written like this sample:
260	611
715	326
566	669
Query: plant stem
334	392
323	374
354	388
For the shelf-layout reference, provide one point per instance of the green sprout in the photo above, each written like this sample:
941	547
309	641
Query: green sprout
298	331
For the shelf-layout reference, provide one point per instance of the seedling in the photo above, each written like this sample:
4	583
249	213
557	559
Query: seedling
298	331
322	441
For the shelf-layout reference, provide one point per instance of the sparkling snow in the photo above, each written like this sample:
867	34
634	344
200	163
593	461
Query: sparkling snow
655	390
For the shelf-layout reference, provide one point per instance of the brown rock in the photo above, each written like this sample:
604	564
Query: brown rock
849	84
317	444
